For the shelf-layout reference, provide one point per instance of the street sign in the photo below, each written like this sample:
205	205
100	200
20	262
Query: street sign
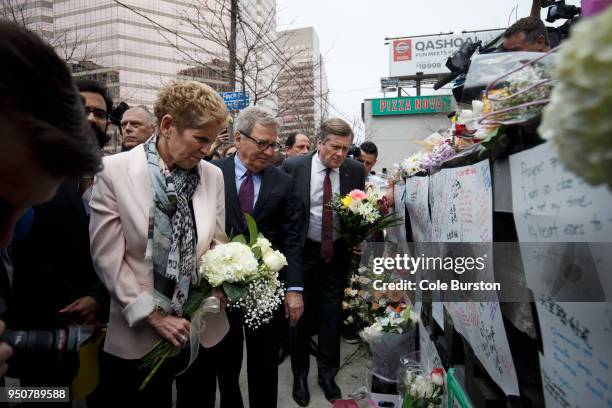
428	55
411	105
389	83
236	100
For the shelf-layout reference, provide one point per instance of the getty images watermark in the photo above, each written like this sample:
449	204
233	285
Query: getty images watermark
406	264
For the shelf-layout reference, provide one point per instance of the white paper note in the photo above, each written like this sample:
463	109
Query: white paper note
417	204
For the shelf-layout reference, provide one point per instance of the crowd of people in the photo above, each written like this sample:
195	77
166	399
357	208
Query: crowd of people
115	241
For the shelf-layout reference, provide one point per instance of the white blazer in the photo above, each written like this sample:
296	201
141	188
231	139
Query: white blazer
118	228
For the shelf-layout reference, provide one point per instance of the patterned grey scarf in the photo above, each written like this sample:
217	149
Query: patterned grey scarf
171	243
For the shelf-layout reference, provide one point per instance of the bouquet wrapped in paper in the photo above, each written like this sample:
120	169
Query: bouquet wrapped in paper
248	274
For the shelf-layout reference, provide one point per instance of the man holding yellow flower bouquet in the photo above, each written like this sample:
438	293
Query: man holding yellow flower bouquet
326	257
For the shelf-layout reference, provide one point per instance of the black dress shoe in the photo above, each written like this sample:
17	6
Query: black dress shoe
300	392
331	390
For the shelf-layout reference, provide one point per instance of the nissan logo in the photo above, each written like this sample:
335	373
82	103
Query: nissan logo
402	47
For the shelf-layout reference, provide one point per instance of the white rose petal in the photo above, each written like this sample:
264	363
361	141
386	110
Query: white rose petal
274	260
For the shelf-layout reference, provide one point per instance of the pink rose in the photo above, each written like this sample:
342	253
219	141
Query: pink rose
358	195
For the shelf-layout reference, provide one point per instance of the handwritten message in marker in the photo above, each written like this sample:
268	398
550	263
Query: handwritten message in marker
552	205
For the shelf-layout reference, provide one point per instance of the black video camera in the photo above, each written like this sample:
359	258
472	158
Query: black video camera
117	114
459	63
354	152
558	10
57	343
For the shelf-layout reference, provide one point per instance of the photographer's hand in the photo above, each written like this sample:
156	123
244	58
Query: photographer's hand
6	352
85	310
172	328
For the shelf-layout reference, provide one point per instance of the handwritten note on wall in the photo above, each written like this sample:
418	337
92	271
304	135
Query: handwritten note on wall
576	366
397	234
417	198
552	205
462	211
461	204
482	326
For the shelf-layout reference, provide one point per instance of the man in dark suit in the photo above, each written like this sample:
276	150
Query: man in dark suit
326	257
254	186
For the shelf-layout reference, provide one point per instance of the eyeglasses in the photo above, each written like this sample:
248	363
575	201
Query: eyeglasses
98	113
262	144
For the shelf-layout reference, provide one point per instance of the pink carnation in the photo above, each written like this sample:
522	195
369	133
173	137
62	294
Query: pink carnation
357	195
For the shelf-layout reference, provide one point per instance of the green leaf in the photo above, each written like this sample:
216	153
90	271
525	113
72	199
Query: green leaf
234	291
193	302
256	252
252	226
196	297
239	238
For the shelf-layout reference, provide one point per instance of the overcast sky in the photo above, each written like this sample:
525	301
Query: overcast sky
352	34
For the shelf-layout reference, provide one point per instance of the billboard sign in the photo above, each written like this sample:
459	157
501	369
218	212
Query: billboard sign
428	55
411	105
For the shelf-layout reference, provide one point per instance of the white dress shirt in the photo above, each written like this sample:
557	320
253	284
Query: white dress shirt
317	176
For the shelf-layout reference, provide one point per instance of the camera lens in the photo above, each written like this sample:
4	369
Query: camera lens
65	340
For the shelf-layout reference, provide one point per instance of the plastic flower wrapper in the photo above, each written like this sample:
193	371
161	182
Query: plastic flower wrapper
419	389
431	141
390	338
520	94
578	119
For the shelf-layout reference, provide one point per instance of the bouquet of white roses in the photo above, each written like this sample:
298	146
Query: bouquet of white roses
422	391
248	274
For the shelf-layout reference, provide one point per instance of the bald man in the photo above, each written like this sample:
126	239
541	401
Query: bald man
137	125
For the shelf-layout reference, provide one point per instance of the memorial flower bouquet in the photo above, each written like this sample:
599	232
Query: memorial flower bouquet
409	166
420	390
248	273
363	213
362	304
390	337
356	302
520	94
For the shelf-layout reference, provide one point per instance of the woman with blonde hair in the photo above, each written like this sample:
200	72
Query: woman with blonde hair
155	210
